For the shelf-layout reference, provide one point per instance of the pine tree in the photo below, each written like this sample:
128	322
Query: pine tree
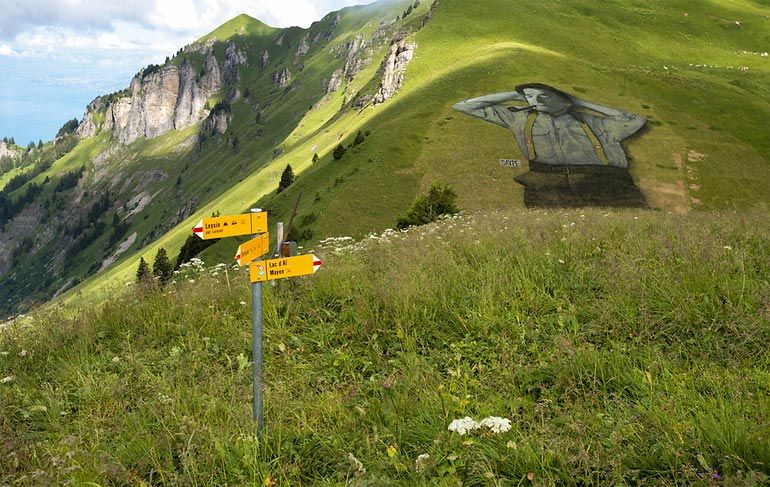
143	272
339	151
286	178
315	157
40	144
359	138
162	268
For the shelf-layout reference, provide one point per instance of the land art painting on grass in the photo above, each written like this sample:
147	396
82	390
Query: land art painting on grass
573	146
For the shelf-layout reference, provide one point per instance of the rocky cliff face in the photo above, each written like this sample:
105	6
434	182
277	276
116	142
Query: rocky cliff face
282	78
167	98
393	69
6	151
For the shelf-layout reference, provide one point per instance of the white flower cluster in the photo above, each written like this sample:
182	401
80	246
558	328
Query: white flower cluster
468	424
343	245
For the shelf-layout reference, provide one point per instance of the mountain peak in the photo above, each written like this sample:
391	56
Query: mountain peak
242	24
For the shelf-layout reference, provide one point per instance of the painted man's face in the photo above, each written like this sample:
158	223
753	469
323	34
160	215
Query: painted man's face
545	101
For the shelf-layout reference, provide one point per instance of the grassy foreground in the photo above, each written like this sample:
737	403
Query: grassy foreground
625	347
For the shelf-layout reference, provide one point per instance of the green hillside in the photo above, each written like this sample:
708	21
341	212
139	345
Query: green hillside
696	72
626	348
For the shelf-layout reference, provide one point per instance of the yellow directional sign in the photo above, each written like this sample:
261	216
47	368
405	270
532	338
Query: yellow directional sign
253	249
231	225
269	270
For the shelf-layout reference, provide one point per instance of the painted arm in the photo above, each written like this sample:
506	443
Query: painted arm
490	107
623	124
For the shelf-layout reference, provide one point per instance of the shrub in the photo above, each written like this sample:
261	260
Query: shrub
440	200
339	152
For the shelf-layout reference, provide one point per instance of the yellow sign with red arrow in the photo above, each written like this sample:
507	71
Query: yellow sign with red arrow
253	249
231	225
268	270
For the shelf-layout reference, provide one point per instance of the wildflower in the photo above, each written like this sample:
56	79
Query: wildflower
463	426
6	380
727	247
512	445
391	451
192	281
421	461
116	359
561	261
496	424
356	463
23	353
243	303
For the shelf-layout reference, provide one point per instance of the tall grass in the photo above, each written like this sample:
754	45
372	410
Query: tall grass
626	347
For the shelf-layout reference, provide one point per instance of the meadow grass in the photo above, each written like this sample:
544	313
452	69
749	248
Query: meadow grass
626	347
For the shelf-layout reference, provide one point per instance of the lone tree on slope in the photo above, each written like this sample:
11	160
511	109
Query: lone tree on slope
286	178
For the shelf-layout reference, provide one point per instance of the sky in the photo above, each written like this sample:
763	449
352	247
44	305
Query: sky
58	55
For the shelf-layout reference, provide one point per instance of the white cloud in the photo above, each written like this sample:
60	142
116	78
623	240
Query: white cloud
6	50
156	28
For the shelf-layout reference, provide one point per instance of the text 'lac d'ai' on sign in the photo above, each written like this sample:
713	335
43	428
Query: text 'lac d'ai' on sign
268	270
231	225
253	249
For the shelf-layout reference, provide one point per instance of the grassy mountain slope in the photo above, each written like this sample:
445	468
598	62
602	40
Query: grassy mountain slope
706	146
155	183
682	66
626	348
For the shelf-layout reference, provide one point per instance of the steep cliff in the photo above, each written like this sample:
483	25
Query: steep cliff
399	55
160	99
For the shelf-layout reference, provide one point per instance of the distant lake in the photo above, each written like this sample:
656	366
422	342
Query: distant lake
38	96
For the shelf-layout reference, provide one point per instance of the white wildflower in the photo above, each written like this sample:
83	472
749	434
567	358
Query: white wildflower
116	359
192	281
421	461
496	424
23	353
727	247
356	463
243	303
463	426
6	380
561	261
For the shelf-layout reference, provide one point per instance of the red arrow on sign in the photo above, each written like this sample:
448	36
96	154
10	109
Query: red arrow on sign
317	263
198	229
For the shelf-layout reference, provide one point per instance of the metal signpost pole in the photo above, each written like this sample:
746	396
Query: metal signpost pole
256	348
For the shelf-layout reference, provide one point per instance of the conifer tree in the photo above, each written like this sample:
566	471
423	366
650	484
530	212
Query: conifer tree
315	157
359	138
286	178
162	268
142	272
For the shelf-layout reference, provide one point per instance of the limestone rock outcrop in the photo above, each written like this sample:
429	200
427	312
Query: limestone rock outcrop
6	151
335	81
282	78
162	99
393	70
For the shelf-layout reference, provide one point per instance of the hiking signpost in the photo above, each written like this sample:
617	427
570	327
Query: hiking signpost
250	253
